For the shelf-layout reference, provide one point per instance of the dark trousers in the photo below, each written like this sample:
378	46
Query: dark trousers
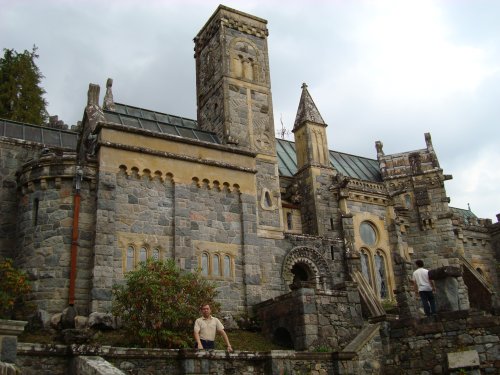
427	298
207	344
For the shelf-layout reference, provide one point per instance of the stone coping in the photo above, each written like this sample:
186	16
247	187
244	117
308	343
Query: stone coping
34	349
11	327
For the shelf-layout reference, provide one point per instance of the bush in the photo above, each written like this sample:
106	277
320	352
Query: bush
159	303
14	287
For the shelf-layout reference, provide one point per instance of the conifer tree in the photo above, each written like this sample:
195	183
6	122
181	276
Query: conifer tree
21	96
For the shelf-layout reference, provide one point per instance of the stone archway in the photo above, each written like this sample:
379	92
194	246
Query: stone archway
305	265
282	337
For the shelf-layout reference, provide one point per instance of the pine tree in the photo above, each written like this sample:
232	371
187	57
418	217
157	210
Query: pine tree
21	97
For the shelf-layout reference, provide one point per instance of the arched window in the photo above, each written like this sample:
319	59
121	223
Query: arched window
36	205
269	202
365	266
380	276
227	266
373	257
143	254
130	259
368	233
215	265
289	220
204	264
155	254
407	201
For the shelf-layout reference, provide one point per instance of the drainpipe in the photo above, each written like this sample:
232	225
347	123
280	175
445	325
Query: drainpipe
74	236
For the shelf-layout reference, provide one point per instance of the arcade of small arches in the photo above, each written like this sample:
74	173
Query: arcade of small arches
169	178
216	265
135	254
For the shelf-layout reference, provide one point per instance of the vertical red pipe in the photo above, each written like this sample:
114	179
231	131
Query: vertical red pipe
74	247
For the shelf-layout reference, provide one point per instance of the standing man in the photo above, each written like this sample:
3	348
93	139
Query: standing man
425	288
205	329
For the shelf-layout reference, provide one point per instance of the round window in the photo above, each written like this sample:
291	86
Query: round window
368	233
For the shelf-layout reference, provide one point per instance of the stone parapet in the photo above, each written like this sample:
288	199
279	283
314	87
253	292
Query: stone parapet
419	345
58	359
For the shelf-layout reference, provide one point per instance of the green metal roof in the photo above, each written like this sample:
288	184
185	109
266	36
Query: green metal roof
39	134
466	215
349	165
158	122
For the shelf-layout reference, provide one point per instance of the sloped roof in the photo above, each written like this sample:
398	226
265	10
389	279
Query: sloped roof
466	215
307	110
39	134
349	165
158	122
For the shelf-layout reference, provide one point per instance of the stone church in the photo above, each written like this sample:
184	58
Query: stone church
276	224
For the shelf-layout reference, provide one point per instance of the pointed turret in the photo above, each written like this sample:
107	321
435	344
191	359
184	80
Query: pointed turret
310	133
313	165
307	110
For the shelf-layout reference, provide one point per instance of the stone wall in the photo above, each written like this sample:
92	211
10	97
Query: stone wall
495	245
60	360
421	346
477	246
310	319
13	154
45	229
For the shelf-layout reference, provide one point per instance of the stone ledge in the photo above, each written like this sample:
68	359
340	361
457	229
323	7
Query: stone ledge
11	327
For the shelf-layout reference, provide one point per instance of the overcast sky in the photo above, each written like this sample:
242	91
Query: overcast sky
377	70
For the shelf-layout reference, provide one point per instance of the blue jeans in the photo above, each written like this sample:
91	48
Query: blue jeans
427	298
207	344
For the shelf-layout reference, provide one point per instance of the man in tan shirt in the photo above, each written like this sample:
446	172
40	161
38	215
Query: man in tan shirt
205	329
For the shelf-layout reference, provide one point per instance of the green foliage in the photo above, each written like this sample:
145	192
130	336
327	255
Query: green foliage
14	286
322	349
21	97
159	303
389	304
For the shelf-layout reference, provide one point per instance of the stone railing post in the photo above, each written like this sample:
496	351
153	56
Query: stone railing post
9	330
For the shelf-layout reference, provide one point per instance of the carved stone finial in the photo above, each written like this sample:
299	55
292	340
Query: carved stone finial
304	86
428	141
93	94
108	102
379	146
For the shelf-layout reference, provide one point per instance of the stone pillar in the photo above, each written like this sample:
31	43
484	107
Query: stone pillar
105	244
404	291
9	330
447	294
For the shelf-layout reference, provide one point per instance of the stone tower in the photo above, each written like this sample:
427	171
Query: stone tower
234	100
318	211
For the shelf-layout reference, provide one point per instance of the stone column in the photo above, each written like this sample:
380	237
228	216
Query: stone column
404	291
9	330
447	294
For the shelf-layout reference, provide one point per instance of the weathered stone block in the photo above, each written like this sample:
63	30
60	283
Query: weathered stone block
465	359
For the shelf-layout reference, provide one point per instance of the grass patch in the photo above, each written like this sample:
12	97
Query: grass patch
240	340
248	341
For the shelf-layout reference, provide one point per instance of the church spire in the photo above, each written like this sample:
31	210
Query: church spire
307	110
309	132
